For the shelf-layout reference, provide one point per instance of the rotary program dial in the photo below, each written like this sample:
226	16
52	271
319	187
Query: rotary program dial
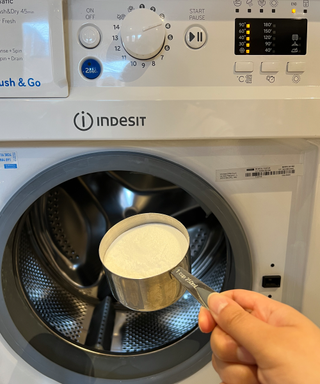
143	34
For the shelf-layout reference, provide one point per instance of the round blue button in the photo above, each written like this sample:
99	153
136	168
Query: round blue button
91	69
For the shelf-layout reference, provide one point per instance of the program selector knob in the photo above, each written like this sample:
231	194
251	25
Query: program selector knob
143	34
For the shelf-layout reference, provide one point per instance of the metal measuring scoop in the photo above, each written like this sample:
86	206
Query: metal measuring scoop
159	291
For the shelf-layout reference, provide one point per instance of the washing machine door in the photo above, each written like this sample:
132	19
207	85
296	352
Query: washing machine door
57	311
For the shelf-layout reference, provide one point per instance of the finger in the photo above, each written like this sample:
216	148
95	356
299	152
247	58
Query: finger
270	311
228	350
205	321
254	302
247	330
235	373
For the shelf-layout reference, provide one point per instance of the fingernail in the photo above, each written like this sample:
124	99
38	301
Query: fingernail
212	294
244	356
217	303
201	309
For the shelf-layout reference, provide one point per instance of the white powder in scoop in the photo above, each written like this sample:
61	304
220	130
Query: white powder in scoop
145	251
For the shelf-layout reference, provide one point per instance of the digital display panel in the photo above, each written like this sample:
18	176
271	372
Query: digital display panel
271	36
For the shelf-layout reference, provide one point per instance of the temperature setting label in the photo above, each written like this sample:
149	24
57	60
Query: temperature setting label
271	36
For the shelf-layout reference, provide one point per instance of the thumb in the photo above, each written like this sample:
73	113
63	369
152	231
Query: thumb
246	329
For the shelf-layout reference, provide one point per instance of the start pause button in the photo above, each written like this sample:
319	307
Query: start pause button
196	37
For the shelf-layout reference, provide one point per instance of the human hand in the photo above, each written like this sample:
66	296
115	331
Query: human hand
256	340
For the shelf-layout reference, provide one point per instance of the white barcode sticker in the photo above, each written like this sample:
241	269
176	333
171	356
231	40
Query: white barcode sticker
259	172
8	160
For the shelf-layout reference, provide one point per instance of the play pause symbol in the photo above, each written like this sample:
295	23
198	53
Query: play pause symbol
196	37
199	37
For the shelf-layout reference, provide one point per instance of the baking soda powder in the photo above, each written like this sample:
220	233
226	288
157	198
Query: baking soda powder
146	250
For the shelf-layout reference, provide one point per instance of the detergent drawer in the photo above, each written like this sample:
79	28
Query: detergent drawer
32	49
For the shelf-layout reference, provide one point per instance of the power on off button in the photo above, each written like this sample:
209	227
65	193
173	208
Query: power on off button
196	37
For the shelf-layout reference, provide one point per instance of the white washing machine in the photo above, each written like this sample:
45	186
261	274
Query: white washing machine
203	110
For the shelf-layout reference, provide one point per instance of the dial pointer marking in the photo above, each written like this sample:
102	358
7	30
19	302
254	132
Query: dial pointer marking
153	26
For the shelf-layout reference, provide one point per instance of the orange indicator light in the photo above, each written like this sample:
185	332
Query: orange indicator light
248	26
248	38
248	45
248	51
294	11
248	32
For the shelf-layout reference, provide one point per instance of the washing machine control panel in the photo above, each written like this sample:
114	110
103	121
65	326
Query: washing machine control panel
154	43
195	43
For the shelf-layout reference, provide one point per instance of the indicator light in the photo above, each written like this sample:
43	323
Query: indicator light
248	26
248	51
248	32
294	11
248	38
248	45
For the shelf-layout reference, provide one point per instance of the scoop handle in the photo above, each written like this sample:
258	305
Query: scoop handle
197	288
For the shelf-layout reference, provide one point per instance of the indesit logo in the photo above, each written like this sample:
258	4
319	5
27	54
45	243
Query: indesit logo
85	121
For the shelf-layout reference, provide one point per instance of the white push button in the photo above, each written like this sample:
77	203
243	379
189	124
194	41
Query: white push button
89	36
243	66
270	66
296	66
196	37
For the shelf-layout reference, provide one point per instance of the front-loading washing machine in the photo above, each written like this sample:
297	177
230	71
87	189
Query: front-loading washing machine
205	111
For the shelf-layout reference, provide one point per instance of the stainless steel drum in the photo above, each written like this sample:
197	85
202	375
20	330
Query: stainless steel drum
58	267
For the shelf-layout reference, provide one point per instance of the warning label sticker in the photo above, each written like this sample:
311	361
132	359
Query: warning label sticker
8	160
259	172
